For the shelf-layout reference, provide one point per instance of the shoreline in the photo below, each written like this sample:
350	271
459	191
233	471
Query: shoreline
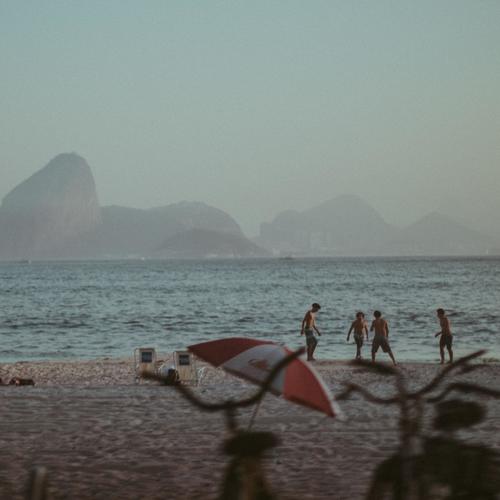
121	371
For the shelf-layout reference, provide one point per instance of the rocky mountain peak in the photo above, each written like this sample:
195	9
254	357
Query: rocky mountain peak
45	213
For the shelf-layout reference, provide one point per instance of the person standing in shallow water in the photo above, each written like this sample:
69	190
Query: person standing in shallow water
381	337
446	335
359	326
308	329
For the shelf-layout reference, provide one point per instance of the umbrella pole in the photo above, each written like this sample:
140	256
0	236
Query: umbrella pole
254	414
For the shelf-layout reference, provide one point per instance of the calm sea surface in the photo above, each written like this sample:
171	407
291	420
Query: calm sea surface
68	310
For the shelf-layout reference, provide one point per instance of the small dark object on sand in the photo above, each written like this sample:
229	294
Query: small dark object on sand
21	381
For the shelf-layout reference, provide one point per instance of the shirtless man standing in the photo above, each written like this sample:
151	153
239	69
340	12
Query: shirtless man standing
308	328
359	326
381	337
446	336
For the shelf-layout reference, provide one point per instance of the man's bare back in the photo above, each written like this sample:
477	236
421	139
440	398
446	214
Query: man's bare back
444	323
380	326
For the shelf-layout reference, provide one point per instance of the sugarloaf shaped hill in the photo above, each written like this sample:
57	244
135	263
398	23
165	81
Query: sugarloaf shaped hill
55	214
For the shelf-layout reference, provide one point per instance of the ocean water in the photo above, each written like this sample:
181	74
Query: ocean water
81	310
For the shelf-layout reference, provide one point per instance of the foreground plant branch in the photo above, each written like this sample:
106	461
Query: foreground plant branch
244	477
411	473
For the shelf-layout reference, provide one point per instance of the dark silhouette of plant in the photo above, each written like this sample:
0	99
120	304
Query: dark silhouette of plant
244	478
439	465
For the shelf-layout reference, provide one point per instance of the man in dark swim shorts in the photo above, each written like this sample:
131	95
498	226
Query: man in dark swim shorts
446	339
381	338
311	340
308	328
379	341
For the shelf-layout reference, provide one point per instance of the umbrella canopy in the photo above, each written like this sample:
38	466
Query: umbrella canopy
253	359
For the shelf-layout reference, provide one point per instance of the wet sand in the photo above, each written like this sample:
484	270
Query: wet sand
101	435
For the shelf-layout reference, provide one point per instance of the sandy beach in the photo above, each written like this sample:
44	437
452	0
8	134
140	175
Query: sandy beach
101	435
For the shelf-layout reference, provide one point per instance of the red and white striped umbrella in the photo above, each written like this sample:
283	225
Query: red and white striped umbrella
253	359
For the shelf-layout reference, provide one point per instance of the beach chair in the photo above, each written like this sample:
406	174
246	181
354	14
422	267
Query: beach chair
145	362
184	363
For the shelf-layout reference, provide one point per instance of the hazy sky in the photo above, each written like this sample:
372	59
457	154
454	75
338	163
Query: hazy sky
256	107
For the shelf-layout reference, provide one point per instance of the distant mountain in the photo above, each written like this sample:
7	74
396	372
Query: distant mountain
345	225
202	243
348	226
55	214
137	232
437	234
483	215
50	212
